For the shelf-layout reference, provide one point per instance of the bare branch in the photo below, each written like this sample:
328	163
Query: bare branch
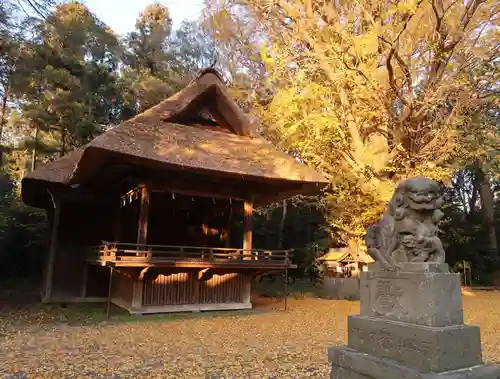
392	81
404	67
444	52
437	7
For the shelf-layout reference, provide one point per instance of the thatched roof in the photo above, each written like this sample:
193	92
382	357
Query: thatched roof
170	134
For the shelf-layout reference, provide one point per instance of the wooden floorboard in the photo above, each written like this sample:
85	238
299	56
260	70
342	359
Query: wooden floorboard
189	308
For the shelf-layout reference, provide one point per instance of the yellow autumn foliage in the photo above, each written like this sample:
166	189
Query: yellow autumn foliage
371	94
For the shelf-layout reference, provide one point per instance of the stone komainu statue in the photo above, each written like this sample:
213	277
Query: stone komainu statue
408	229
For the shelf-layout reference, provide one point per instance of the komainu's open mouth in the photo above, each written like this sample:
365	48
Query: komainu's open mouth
422	201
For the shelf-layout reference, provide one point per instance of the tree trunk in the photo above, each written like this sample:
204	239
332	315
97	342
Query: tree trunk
487	206
282	226
34	152
4	110
3	119
473	198
63	142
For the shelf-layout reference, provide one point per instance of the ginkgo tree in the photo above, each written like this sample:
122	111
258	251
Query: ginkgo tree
373	92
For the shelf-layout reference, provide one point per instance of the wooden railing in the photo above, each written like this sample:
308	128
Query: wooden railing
129	253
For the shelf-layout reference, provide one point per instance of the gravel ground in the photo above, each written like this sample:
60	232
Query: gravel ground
268	343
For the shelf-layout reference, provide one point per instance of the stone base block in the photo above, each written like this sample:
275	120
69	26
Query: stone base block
423	348
424	298
351	364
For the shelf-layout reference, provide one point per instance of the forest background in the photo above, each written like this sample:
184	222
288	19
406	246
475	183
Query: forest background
368	93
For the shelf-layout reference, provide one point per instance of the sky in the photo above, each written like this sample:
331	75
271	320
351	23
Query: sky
121	15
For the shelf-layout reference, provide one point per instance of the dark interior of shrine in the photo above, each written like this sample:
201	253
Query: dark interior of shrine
183	220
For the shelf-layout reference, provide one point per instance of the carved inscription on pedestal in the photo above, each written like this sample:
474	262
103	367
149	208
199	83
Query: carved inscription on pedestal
386	294
384	340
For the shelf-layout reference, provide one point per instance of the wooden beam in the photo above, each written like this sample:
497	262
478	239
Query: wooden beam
262	193
205	185
203	189
180	202
142	229
82	195
52	249
247	226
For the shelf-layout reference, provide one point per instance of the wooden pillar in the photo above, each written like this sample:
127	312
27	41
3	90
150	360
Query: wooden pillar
142	229
247	227
52	249
142	237
195	277
110	291
229	225
83	293
247	290
138	290
204	231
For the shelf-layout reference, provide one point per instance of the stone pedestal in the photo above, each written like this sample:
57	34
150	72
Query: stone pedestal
411	327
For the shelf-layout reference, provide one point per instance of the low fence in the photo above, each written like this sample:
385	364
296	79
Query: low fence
340	288
140	254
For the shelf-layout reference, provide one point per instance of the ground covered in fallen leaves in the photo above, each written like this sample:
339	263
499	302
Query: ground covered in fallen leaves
43	342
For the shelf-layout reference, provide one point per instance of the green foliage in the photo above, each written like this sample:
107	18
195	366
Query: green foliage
147	43
63	81
23	236
464	234
302	227
159	63
140	91
192	49
310	254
